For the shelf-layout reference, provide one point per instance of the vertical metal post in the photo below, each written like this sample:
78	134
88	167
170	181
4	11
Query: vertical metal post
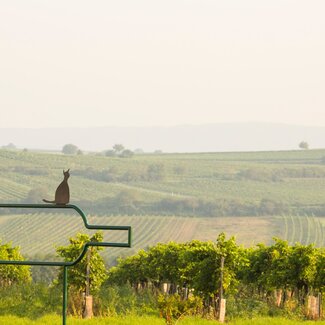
65	295
129	236
87	293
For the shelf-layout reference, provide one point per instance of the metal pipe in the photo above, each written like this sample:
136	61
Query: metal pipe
65	295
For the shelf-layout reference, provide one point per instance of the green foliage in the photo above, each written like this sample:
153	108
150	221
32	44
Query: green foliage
250	276
319	280
118	148
280	266
132	269
29	300
119	151
113	300
51	319
248	307
192	270
12	274
303	145
70	149
77	273
203	262
173	307
195	265
302	265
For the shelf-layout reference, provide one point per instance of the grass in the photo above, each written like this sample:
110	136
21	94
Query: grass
146	320
127	320
273	321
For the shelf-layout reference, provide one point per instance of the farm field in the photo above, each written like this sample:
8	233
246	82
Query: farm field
295	177
40	233
254	196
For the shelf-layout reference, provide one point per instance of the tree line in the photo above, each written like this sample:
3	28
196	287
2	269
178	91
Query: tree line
130	202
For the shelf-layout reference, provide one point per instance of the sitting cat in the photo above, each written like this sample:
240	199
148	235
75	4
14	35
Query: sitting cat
62	193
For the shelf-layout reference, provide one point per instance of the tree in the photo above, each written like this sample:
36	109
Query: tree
88	275
118	148
70	149
10	274
304	145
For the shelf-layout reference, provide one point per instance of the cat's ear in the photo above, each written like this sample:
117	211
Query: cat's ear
68	170
63	171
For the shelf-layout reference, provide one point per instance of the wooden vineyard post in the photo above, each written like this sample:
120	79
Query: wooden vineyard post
222	302
88	310
314	307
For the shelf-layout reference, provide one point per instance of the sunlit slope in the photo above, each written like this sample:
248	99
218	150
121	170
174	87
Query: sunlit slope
296	178
119	191
40	233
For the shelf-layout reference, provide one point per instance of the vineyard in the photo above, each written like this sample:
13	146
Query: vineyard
304	229
252	195
39	233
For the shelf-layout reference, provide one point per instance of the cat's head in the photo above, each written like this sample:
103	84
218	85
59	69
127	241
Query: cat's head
66	174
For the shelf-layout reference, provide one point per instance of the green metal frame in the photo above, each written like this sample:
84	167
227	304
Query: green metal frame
65	265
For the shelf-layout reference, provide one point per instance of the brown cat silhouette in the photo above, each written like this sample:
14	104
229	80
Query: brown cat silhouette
62	193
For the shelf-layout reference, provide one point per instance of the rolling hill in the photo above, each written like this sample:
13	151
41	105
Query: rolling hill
252	195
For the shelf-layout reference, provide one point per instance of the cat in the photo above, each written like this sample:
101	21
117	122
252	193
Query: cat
62	193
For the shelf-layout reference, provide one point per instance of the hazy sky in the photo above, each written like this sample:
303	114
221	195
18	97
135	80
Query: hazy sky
149	62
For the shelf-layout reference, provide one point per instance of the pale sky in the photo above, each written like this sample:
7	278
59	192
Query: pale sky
148	62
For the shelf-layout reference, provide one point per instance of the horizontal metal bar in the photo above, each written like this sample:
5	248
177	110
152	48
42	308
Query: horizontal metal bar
85	246
66	263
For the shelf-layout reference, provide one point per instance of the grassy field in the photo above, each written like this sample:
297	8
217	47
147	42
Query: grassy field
134	320
292	176
294	179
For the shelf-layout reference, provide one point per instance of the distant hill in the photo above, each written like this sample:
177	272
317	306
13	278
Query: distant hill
186	138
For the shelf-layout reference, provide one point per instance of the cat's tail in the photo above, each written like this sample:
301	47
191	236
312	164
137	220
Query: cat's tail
47	201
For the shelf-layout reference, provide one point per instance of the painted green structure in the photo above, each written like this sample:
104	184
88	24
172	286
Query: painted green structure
65	265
